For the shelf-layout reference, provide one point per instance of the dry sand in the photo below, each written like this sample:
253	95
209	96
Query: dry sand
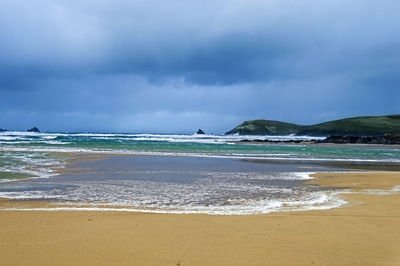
364	232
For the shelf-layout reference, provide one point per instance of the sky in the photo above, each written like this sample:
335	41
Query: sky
173	66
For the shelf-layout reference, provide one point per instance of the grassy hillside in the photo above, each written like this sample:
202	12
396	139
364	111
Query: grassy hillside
266	127
364	125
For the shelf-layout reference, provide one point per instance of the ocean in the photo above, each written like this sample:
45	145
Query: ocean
161	173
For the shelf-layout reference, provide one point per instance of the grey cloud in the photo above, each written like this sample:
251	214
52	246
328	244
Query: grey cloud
126	63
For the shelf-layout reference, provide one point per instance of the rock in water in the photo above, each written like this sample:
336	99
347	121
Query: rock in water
200	132
385	139
34	129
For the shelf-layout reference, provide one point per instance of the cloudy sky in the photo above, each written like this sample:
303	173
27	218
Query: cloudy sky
176	66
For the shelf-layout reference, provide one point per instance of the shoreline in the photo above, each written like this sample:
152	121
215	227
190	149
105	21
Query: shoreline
365	231
72	164
327	180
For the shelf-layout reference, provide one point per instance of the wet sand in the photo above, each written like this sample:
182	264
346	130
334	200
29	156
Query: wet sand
364	232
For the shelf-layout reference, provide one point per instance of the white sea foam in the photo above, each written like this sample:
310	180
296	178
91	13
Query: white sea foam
31	164
54	142
308	201
8	138
14	139
206	139
225	193
312	201
216	193
196	138
272	156
394	190
321	200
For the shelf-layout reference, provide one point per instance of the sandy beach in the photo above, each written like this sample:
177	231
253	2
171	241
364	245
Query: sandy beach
363	232
232	133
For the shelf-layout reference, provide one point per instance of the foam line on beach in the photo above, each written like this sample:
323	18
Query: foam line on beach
322	201
195	155
328	200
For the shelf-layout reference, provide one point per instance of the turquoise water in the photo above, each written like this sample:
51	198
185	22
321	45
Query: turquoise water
25	154
179	173
187	145
39	154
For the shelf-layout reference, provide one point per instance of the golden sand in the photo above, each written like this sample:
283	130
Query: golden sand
364	232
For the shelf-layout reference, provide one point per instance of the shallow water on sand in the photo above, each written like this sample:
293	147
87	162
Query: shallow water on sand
176	173
178	185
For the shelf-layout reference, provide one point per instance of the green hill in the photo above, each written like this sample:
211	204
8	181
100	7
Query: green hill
266	127
356	126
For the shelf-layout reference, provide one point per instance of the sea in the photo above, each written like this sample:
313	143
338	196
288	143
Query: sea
178	173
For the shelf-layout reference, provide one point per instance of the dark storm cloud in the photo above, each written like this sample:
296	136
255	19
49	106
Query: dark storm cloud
177	65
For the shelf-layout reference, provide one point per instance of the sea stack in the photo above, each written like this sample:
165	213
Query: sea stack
34	129
200	132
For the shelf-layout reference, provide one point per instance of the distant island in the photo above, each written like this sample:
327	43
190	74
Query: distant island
354	126
200	132
34	129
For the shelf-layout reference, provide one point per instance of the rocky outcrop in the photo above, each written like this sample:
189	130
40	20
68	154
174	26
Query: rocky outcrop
385	139
255	141
34	129
200	132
